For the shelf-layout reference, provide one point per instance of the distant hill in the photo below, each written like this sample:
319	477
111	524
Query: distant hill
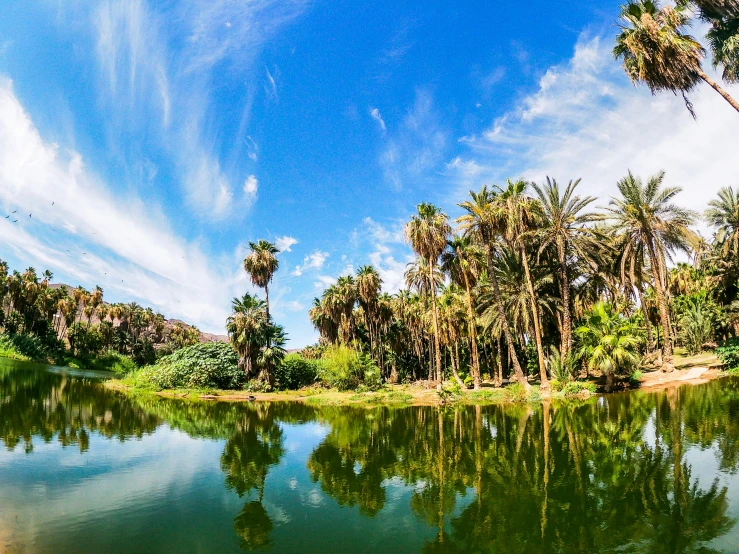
168	323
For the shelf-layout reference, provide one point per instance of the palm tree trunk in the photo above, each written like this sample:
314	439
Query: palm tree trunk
537	328
662	304
499	360
266	294
566	344
715	86
457	378
647	323
504	319
436	320
473	336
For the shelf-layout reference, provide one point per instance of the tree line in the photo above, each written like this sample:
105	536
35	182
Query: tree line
532	278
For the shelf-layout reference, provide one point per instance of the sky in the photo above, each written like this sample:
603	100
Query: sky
144	144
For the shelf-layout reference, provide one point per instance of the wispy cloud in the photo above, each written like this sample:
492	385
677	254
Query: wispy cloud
375	114
311	261
587	121
251	187
270	87
82	231
418	146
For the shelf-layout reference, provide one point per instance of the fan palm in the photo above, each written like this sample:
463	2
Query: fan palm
655	50
246	327
484	222
427	232
564	226
272	353
261	264
648	220
723	214
723	36
368	285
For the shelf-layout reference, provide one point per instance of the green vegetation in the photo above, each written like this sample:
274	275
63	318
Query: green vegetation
728	351
202	366
296	372
343	368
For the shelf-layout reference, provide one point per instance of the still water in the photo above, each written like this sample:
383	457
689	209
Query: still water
85	469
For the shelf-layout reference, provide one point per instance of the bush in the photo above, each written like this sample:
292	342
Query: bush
574	388
516	392
23	347
112	361
213	365
295	372
728	351
343	368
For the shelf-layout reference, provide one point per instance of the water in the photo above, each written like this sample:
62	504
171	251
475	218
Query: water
85	469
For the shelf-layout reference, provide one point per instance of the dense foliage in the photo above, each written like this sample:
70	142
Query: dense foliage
296	372
213	365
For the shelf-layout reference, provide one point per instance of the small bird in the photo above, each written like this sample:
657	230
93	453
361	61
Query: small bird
15	221
30	215
52	203
7	216
13	211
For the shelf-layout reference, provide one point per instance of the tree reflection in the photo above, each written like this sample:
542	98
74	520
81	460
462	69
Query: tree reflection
35	402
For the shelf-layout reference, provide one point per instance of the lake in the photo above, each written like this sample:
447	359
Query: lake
86	469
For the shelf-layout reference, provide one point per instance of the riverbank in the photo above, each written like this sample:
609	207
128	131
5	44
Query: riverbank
698	370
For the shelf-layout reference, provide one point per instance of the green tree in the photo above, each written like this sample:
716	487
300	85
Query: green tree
261	264
427	233
656	51
723	214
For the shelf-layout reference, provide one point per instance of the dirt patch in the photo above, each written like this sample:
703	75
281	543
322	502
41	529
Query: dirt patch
657	380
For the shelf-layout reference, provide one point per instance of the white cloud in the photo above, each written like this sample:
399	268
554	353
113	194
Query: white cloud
270	88
311	261
375	114
251	186
587	121
324	281
294	306
129	248
285	244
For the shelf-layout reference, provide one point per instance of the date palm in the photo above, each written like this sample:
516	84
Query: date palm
368	286
427	233
655	50
564	226
723	214
261	264
647	219
463	262
522	222
484	222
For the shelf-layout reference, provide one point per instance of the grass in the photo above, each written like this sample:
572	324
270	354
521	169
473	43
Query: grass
13	354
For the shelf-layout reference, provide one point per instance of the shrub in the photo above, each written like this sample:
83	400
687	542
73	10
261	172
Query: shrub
728	351
344	368
23	347
516	392
213	365
112	361
560	366
295	372
635	377
573	388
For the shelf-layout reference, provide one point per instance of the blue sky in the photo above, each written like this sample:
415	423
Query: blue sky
169	134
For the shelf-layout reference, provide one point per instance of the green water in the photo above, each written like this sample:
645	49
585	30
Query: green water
84	469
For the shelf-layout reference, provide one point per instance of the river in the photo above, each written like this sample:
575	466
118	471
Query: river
87	469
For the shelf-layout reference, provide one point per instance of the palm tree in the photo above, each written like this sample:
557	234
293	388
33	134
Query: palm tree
245	327
483	222
427	232
368	285
723	16
523	215
261	264
655	50
463	262
648	220
272	353
608	341
564	226
724	215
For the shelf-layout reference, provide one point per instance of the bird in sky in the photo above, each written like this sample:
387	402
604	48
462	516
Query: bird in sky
13	211
29	215
7	216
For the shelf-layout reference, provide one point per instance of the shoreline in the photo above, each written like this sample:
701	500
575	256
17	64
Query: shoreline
418	395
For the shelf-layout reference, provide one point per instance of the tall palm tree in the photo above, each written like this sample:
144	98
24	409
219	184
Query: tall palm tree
564	226
648	220
261	264
427	232
463	262
724	215
484	222
368	285
523	215
655	50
